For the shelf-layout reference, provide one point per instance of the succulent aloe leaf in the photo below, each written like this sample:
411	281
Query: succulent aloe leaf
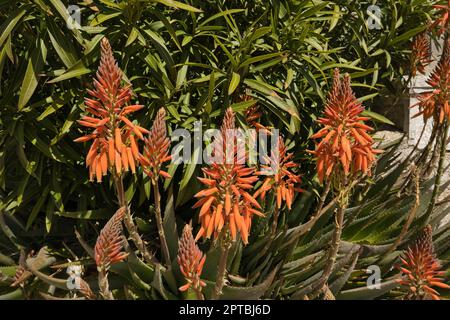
248	293
306	285
9	271
385	184
254	247
56	282
301	208
169	224
438	215
158	284
211	263
365	249
13	295
337	284
169	277
237	259
365	293
256	271
301	263
138	281
142	270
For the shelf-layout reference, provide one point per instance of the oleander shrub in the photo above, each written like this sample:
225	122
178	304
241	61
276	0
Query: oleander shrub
86	177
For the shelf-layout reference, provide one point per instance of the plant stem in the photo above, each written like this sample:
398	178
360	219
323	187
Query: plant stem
220	281
421	161
323	197
276	213
333	251
199	294
129	224
159	223
440	170
103	285
306	227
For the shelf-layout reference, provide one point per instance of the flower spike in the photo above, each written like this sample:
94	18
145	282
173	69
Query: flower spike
420	54
435	103
191	261
280	178
114	135
421	269
226	201
108	249
156	148
345	146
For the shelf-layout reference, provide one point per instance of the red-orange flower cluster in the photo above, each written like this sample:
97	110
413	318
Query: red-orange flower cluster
191	260
280	177
421	269
108	248
420	53
114	144
156	148
226	202
345	144
441	23
435	104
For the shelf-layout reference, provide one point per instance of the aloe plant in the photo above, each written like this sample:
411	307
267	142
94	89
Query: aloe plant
261	66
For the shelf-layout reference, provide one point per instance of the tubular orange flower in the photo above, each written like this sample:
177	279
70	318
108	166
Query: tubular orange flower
227	203
420	53
113	134
345	145
281	179
191	261
108	248
435	103
421	269
156	148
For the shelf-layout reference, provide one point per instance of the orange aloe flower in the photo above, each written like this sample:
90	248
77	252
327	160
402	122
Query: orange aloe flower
345	144
420	53
421	269
191	260
281	179
435	104
108	248
441	23
114	144
226	202
156	148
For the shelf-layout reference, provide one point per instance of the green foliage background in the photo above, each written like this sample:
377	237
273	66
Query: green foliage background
193	57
